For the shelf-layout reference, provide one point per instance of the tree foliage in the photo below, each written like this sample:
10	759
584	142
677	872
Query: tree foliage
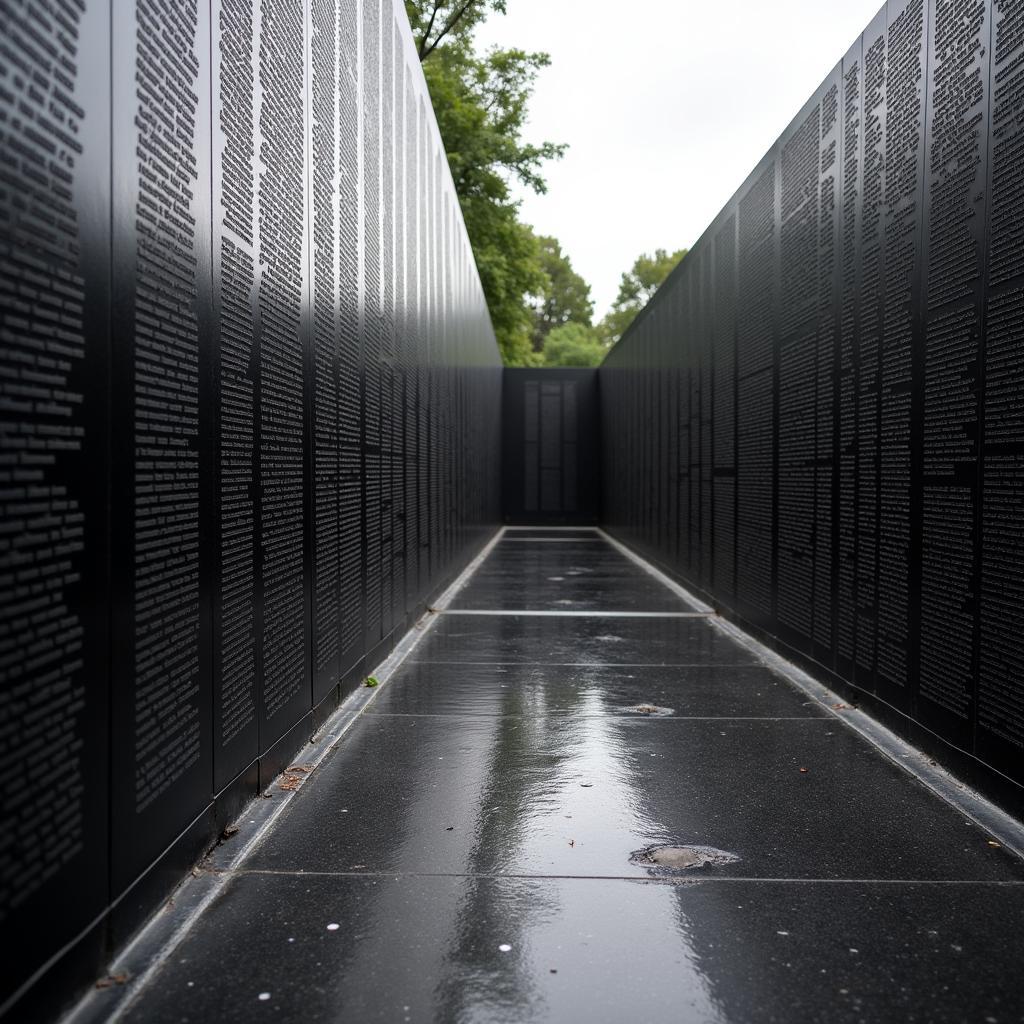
636	289
480	101
566	298
573	344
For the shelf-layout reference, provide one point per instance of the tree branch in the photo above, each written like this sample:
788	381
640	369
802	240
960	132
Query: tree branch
449	25
426	31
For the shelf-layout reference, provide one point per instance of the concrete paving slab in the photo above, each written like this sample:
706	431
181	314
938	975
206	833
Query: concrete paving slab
484	949
568	795
739	691
569	641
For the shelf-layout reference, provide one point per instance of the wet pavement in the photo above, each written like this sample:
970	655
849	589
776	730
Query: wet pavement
478	847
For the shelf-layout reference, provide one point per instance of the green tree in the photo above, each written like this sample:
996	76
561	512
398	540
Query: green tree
566	298
573	344
481	106
636	289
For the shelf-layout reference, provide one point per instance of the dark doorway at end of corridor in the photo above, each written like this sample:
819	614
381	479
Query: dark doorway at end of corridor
551	471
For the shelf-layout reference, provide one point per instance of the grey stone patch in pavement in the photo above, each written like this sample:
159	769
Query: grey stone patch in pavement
666	858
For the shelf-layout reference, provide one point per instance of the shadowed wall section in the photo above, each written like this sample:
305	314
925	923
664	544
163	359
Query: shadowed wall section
250	423
816	421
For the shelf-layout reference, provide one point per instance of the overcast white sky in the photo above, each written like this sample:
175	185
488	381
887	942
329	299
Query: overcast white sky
667	105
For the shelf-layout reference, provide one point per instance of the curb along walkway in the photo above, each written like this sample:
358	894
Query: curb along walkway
484	843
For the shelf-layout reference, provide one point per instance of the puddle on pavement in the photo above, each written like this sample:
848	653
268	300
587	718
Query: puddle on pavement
651	710
682	858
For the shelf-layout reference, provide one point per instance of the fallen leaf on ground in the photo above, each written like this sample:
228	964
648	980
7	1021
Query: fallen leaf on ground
112	979
294	776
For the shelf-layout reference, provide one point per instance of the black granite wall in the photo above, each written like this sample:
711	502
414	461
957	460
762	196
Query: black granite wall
818	423
249	423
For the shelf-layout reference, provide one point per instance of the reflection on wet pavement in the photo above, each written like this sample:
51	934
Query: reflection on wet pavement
491	839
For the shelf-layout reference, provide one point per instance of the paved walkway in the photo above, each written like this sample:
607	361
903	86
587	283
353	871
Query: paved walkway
479	845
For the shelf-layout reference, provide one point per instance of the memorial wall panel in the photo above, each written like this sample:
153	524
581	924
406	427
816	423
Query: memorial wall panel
387	321
54	566
350	303
954	266
401	354
706	452
848	369
283	289
237	290
900	345
325	65
862	322
756	413
723	409
871	201
826	432
372	325
423	438
800	213
1000	661
236	262
161	691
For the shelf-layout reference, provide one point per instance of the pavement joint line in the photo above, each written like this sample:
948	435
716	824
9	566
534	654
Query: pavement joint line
643	879
1002	827
161	935
631	716
661	577
574	614
560	529
553	540
600	665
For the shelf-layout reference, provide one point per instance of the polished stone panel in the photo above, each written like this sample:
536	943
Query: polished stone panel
162	400
55	704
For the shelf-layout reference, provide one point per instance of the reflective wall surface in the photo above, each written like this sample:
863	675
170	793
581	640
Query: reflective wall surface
249	421
816	422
